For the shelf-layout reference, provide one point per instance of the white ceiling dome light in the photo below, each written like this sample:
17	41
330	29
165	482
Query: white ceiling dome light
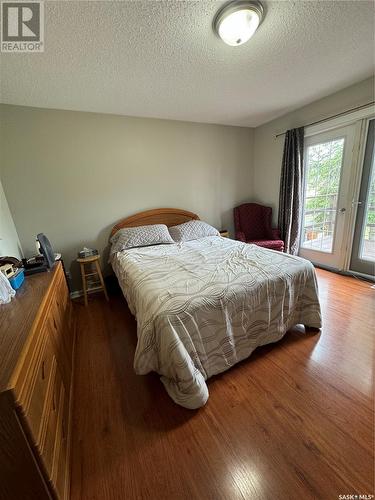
236	22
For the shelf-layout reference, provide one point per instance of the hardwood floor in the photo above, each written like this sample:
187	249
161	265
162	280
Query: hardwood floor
294	421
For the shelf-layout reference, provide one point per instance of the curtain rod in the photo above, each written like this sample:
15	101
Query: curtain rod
333	116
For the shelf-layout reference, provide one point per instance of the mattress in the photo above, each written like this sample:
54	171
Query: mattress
204	305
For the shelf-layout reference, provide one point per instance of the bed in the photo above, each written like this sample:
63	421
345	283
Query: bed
204	305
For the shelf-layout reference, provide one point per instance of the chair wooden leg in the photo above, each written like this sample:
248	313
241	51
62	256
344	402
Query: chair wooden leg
84	282
101	279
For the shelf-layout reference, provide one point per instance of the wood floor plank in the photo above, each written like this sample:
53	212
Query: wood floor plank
295	420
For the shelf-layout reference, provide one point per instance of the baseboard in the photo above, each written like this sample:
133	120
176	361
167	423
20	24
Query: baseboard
353	274
356	274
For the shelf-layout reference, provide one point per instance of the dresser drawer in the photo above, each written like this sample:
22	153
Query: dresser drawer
58	304
50	433
35	405
62	313
62	481
62	295
32	384
61	335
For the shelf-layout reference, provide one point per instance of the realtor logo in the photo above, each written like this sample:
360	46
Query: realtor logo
22	26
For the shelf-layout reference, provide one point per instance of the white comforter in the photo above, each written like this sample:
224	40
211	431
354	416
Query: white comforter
204	305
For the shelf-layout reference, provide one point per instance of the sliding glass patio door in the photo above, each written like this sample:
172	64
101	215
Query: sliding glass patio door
363	251
328	162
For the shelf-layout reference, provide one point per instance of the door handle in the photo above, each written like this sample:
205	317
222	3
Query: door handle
356	203
342	210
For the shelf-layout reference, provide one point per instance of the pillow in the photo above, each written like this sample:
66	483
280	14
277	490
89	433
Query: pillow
192	230
140	236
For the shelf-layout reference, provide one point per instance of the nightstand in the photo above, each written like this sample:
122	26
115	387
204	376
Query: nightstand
224	233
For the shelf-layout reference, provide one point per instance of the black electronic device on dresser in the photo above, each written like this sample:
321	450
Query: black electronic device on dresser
45	259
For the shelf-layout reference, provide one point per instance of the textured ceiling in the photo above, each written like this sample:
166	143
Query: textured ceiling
162	59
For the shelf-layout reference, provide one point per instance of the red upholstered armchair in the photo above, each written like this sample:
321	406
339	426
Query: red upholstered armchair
253	224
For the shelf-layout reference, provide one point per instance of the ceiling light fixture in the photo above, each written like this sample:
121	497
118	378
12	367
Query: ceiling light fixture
237	21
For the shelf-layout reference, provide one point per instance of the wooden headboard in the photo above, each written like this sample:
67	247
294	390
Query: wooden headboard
167	216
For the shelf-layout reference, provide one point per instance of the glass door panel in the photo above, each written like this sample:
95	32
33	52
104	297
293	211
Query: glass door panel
328	160
323	173
363	250
367	246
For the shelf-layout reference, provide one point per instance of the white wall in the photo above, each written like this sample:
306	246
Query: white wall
73	175
9	241
268	150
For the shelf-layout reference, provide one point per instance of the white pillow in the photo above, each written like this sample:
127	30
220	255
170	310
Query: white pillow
140	236
192	230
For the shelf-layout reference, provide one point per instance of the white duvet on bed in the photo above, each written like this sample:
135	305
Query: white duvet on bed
204	305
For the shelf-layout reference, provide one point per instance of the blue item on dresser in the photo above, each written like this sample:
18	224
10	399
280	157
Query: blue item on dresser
17	280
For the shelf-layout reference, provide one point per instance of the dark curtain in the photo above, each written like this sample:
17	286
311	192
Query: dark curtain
291	189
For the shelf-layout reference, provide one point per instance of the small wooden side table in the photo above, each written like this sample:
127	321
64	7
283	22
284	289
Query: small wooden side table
93	261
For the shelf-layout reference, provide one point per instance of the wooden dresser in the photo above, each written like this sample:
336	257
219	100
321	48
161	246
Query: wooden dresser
37	336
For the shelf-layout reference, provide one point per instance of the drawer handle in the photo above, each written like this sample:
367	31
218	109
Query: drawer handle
54	324
53	402
43	373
